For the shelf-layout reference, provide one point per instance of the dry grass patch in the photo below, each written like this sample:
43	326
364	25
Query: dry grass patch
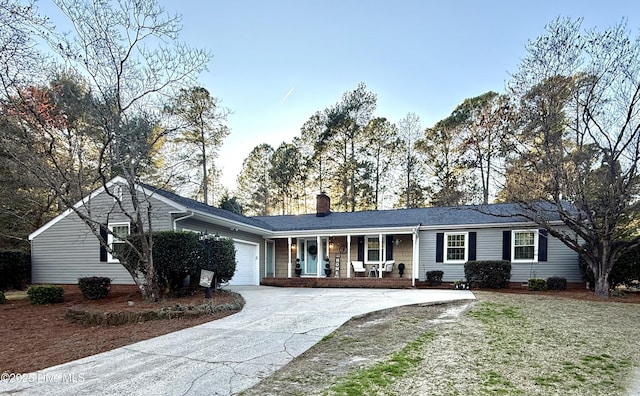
517	344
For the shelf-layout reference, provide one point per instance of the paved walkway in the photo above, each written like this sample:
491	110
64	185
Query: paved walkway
225	356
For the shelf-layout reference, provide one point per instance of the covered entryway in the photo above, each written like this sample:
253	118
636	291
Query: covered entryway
246	264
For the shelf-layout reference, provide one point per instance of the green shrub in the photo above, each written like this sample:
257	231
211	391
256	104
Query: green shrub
15	269
2	297
557	283
94	287
223	259
45	294
537	284
177	255
434	278
489	274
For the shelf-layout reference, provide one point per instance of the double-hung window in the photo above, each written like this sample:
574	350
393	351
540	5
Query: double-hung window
116	239
456	247
373	249
525	245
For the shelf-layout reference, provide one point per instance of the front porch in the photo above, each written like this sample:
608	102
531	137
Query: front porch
385	260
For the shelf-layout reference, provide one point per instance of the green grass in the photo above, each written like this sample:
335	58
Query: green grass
383	374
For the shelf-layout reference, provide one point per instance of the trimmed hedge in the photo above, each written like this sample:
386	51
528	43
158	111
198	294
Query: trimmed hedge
45	294
15	269
489	274
434	278
537	284
94	287
557	283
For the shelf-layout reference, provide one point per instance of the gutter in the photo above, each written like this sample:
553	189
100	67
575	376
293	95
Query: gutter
175	221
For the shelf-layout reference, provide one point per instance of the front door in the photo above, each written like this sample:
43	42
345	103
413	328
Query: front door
270	258
311	257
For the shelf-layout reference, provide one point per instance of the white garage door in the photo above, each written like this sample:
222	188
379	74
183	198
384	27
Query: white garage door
246	265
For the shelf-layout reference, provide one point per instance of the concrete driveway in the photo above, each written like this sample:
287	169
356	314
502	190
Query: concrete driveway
225	356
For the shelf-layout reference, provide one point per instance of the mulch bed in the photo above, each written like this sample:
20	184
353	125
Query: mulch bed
38	336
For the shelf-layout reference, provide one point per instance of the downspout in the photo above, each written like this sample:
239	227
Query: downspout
416	255
175	221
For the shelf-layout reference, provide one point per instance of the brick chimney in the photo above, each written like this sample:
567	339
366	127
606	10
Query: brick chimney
323	205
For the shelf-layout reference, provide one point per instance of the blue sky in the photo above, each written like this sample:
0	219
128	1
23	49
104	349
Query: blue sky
277	62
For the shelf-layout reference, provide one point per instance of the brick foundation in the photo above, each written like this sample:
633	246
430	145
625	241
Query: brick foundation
364	282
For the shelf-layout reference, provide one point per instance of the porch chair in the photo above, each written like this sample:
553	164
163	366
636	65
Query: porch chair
388	267
358	266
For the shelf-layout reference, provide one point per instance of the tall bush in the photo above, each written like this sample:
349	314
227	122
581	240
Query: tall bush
223	259
489	274
625	270
15	269
179	254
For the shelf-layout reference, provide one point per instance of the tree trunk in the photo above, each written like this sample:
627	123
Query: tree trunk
602	285
601	267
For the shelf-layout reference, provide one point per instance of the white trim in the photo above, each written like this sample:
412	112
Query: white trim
95	193
521	224
380	249
535	246
445	247
110	258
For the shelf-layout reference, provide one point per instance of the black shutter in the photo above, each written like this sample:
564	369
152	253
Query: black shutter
439	247
506	245
103	236
389	247
472	246
542	245
133	228
361	248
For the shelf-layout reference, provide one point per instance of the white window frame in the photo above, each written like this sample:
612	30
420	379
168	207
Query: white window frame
445	247
110	238
366	249
535	246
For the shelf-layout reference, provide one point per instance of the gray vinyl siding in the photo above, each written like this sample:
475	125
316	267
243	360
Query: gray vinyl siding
69	250
561	261
201	226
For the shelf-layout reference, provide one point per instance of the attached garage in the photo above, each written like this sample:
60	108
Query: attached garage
247	266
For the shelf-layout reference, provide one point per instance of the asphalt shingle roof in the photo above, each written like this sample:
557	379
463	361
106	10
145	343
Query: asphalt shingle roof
192	204
435	216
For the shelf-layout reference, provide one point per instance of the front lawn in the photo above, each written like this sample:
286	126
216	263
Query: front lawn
528	344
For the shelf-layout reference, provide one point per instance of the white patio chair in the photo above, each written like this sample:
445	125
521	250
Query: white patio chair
358	267
388	267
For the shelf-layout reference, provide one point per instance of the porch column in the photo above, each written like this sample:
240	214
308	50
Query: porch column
416	254
380	255
320	260
348	256
289	263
